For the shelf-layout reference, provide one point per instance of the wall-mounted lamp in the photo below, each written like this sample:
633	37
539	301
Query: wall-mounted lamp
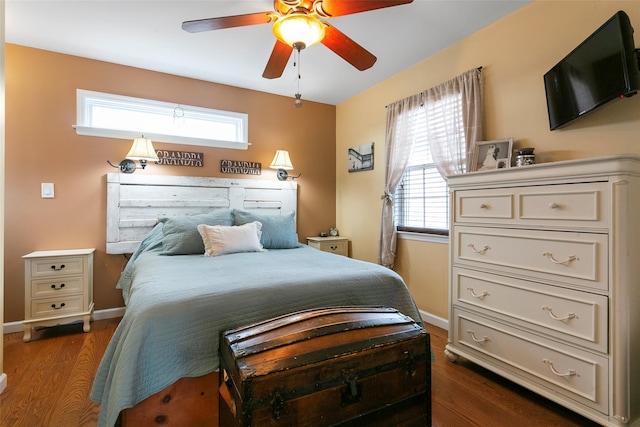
141	150
282	162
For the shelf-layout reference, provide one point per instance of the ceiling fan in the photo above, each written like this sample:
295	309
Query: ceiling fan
297	24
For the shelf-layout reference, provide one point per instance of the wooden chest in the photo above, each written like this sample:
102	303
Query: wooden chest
347	366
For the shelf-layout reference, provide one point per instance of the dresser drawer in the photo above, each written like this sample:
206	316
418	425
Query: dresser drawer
481	205
576	203
571	316
579	259
55	286
59	266
580	205
59	306
579	375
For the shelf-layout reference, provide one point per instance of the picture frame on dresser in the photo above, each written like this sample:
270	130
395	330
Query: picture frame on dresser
489	155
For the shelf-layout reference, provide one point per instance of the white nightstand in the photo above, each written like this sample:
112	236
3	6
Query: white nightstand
58	288
336	245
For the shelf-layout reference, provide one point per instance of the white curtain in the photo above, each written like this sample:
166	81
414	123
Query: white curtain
449	152
460	110
398	142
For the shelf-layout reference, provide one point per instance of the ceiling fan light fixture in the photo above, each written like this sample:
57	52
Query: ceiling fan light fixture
299	30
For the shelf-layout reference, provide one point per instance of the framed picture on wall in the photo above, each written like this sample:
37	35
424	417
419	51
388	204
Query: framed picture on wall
361	158
488	155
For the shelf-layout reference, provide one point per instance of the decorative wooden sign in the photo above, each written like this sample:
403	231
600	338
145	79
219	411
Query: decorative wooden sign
240	167
180	158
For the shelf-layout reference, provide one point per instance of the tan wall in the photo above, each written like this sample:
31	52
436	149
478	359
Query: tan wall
41	146
515	53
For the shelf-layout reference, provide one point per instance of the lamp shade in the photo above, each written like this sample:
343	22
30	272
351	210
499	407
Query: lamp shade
142	149
281	160
299	28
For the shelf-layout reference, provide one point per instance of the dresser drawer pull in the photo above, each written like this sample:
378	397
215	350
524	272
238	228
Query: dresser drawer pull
553	205
57	308
483	206
478	251
571	372
480	340
555	261
55	268
57	288
333	248
554	317
479	296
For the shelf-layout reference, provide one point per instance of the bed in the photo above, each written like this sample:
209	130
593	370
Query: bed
178	303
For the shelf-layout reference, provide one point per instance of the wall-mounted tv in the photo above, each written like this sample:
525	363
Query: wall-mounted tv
602	68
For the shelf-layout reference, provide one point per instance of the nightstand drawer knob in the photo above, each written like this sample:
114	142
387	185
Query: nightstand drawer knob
57	308
56	268
57	288
334	248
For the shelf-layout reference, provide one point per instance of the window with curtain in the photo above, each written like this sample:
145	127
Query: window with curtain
427	137
422	199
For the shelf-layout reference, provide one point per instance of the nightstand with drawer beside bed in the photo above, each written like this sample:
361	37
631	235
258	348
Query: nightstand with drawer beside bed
58	288
336	245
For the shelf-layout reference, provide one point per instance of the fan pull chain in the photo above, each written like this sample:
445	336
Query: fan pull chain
296	63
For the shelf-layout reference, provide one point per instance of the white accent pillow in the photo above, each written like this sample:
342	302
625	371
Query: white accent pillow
221	239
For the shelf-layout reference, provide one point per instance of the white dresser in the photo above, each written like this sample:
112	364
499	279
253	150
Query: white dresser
545	281
58	288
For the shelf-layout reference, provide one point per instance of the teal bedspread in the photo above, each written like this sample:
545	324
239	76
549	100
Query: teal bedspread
178	305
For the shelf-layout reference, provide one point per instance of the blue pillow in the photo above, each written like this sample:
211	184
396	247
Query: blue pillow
181	236
278	231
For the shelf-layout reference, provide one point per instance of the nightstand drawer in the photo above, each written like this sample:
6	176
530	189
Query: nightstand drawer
43	288
339	247
60	306
336	245
59	266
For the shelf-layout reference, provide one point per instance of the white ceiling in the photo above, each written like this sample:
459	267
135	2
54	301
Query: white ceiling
147	34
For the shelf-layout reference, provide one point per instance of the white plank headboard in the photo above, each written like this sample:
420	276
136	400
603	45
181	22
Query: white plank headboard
135	201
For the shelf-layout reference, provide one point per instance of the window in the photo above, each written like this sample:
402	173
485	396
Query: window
115	116
422	198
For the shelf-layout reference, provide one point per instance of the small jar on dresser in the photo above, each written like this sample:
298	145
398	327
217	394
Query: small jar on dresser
335	245
58	288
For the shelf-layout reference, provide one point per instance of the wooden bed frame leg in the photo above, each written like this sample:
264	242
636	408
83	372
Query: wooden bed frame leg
187	402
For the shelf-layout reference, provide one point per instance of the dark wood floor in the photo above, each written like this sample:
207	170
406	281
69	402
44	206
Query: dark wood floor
49	381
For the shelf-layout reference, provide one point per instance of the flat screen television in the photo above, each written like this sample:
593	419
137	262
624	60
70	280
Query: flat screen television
602	68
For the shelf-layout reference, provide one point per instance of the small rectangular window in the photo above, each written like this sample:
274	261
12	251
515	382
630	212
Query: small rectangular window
116	116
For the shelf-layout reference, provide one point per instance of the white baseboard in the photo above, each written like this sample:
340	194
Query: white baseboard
108	313
3	382
434	320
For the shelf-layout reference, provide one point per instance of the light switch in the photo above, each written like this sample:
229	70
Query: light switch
47	190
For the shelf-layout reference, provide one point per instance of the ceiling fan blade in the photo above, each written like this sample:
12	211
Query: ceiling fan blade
347	49
278	60
208	24
346	7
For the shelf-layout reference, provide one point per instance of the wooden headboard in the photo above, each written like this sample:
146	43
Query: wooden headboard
135	201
